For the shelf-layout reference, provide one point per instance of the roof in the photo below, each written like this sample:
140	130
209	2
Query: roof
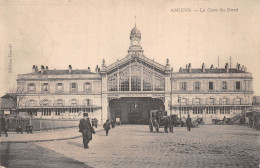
7	103
9	95
213	70
62	72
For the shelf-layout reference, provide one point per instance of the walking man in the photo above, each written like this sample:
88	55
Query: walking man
3	126
85	129
106	127
188	123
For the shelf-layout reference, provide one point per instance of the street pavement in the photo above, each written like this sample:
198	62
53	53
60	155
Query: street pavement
134	146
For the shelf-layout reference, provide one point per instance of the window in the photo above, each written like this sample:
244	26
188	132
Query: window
158	82
87	87
183	101
88	102
183	85
224	85
59	102
73	87
135	78
147	80
197	86
124	80
112	82
59	87
238	85
211	85
45	102
31	103
224	101
73	102
45	87
211	101
238	101
197	101
31	87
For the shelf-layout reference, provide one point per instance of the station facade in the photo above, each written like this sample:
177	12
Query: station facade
129	88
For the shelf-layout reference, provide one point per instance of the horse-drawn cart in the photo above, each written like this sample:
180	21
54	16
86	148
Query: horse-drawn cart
159	119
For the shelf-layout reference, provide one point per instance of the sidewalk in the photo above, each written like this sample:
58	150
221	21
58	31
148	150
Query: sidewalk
39	136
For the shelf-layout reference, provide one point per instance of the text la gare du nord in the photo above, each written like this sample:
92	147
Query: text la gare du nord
204	10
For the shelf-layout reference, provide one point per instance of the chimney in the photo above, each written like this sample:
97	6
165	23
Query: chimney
203	68
189	67
167	66
33	69
42	69
226	68
89	69
103	67
180	69
243	68
96	70
36	68
211	67
186	66
70	69
239	67
47	68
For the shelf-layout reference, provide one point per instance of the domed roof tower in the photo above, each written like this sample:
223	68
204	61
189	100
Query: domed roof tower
135	33
135	41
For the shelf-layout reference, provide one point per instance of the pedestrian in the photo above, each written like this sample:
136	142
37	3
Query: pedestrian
188	123
106	126
3	126
86	129
28	128
166	124
19	129
112	123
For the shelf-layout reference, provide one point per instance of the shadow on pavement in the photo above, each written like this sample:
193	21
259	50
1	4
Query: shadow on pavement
15	155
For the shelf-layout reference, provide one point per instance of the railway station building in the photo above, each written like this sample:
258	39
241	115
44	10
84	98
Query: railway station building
133	86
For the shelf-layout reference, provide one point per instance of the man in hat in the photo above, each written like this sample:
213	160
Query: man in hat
106	127
188	123
85	129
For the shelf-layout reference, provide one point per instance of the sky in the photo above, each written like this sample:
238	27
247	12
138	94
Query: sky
82	33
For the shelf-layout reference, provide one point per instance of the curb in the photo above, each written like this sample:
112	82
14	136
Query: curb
45	140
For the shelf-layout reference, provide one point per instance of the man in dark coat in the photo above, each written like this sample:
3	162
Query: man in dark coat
3	125
106	127
85	129
188	123
28	128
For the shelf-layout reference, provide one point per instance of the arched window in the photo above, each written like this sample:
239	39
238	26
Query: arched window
124	80
73	102
142	79
147	80
59	102
135	78
45	102
158	82
112	82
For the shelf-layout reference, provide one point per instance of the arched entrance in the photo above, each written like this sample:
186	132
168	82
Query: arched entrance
134	110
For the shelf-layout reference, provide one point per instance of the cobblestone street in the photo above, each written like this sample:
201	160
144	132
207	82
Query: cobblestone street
135	146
